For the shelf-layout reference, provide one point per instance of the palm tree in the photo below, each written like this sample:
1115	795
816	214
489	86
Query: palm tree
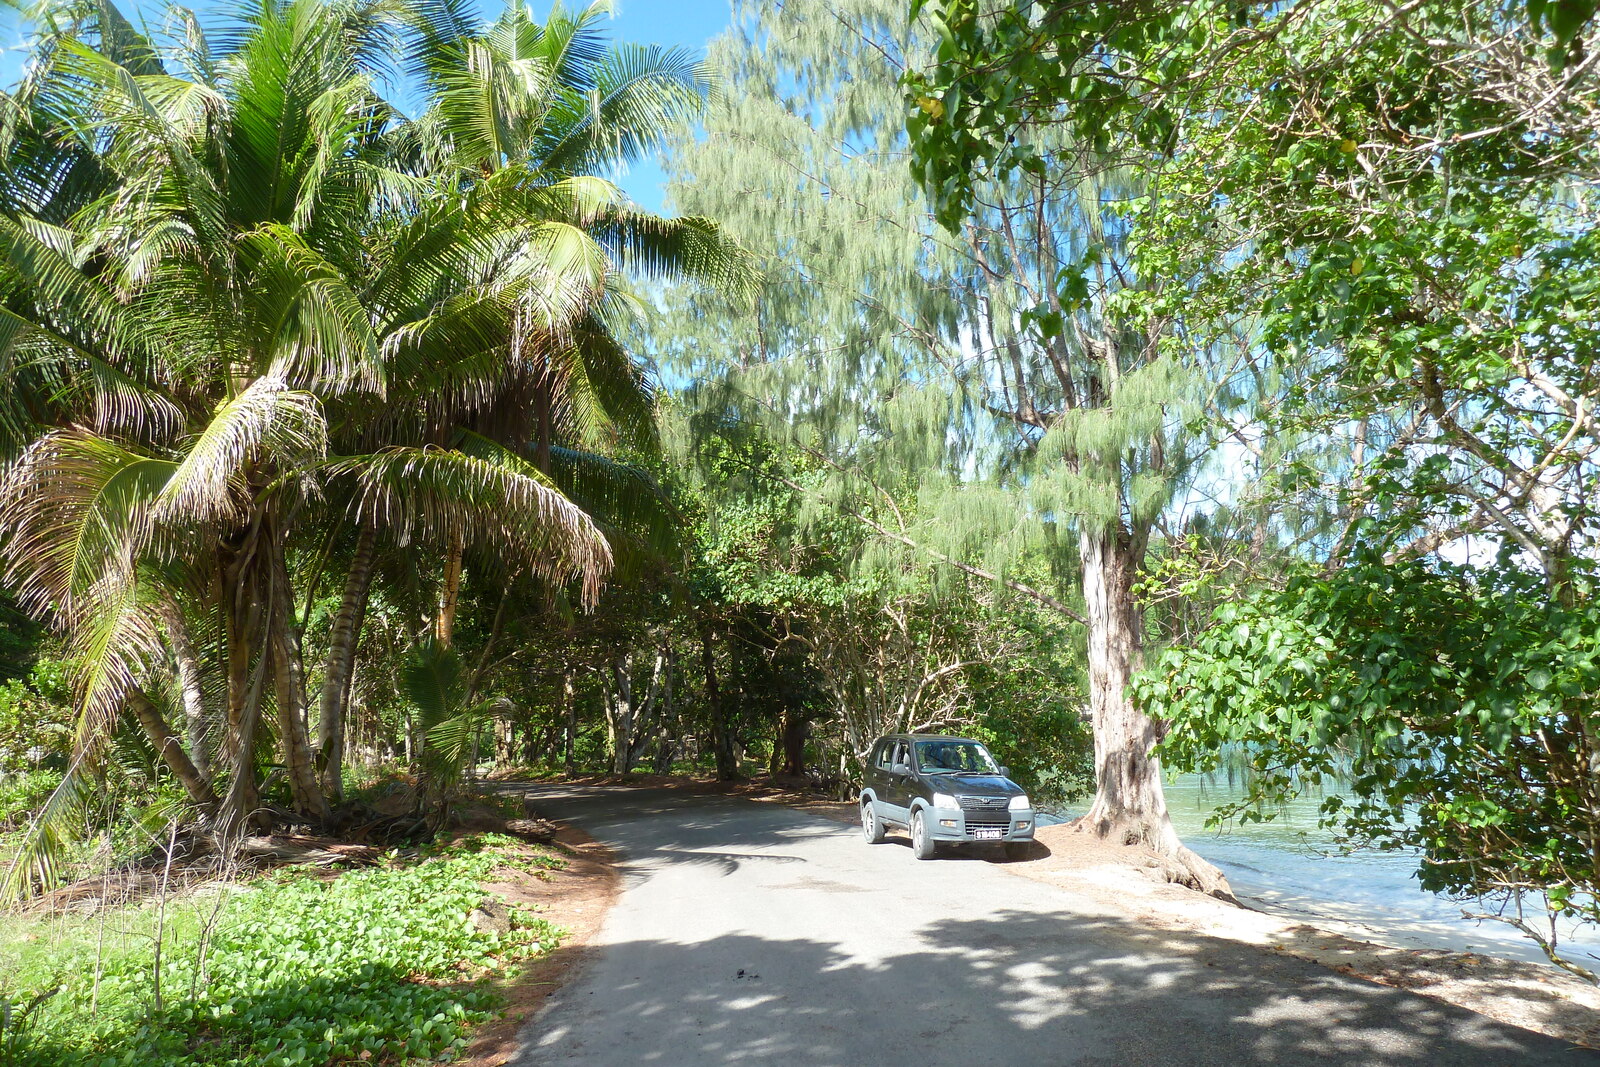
207	279
536	111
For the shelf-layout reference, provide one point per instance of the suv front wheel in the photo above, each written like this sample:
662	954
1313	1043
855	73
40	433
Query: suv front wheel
922	846
871	825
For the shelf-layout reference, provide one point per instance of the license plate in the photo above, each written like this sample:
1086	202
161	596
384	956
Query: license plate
988	835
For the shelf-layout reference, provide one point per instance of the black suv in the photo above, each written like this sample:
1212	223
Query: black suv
944	790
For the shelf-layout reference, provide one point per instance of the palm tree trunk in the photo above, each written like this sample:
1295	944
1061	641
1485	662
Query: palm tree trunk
189	683
289	682
343	639
240	610
170	749
450	593
244	793
240	598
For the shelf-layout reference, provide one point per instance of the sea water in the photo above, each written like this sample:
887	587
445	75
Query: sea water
1291	865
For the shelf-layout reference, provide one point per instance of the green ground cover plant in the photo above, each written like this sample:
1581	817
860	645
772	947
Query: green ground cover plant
380	965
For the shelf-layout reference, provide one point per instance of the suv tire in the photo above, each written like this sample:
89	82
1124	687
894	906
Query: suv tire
871	825
922	846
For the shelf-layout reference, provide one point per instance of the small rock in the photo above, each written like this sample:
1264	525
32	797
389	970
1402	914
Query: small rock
490	917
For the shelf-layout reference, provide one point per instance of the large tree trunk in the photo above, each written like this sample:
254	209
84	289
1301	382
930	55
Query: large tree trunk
170	749
1129	806
629	717
343	638
289	683
716	711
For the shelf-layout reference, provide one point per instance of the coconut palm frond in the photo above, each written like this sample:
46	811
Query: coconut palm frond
574	44
266	419
42	260
452	738
619	386
439	31
491	102
581	200
41	855
321	334
640	95
77	508
620	496
141	117
692	249
560	271
472	327
112	646
489	494
432	678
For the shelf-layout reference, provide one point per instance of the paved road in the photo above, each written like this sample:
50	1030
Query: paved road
754	933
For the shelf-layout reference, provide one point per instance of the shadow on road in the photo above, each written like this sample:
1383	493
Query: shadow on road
1026	986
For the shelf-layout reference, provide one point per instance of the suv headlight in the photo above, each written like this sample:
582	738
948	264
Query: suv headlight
944	800
1019	803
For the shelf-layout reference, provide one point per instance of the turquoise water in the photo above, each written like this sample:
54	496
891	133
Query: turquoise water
1289	864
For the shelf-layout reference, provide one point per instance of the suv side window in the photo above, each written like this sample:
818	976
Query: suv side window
901	755
884	749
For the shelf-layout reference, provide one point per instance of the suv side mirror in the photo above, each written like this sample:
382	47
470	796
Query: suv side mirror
1005	772
900	768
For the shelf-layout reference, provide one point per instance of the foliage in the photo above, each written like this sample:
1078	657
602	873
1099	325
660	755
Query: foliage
1457	701
1390	212
1005	76
19	640
449	718
376	964
1415	261
35	720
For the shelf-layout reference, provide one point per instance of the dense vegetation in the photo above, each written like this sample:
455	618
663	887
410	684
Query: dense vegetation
376	965
985	348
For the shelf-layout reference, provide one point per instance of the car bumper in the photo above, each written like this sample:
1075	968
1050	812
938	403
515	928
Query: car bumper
949	826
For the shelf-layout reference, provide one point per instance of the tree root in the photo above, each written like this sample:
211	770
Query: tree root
1173	862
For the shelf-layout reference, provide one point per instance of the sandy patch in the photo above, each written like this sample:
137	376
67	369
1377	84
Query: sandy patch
1131	880
575	899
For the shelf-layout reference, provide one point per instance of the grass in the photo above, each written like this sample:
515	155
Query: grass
372	966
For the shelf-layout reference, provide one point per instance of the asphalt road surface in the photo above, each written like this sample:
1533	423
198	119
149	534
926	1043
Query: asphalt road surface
756	933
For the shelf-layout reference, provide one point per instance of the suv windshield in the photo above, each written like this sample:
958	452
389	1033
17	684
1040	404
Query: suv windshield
955	756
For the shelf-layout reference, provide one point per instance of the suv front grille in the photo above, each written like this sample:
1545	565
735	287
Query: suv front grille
985	812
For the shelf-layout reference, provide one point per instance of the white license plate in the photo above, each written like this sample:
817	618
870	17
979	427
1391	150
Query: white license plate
988	835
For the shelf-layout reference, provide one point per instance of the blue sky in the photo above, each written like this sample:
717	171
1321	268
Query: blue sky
690	23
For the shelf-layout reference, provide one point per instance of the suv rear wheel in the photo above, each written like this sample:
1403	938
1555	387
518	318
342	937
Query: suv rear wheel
922	846
871	826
